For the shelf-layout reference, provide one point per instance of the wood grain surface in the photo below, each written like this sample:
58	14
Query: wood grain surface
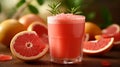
112	57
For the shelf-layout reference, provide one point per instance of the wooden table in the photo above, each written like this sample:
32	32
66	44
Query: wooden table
112	57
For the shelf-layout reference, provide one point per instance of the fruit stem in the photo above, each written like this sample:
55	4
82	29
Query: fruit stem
21	9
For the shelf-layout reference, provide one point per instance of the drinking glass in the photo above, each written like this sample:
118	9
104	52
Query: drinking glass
66	35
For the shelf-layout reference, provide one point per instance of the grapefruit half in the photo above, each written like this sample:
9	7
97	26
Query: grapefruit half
40	29
112	29
98	46
27	46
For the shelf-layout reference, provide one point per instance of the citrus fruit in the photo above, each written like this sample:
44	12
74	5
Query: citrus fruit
98	47
8	29
4	57
40	29
27	46
114	28
92	29
86	37
116	37
26	20
97	37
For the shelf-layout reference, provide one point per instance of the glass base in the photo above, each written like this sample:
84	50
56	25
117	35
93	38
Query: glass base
66	61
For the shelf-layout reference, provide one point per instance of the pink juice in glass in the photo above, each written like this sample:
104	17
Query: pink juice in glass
66	34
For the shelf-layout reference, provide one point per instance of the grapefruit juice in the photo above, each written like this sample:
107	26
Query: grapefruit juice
66	34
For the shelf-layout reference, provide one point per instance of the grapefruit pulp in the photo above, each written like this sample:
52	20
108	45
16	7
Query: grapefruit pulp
27	46
98	46
40	29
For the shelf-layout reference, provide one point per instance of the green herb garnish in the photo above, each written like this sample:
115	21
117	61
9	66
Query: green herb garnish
55	9
74	10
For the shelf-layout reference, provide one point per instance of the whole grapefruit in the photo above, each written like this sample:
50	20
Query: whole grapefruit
92	29
26	20
8	29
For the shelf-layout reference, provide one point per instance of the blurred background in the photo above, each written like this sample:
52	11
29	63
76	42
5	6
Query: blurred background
101	12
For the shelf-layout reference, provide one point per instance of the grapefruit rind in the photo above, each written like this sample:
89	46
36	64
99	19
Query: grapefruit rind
99	50
23	57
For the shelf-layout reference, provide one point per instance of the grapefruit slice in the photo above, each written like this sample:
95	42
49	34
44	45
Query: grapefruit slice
114	28
98	46
40	29
4	57
116	37
27	46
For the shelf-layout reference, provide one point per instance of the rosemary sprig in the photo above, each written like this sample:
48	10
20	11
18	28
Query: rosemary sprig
55	8
74	10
